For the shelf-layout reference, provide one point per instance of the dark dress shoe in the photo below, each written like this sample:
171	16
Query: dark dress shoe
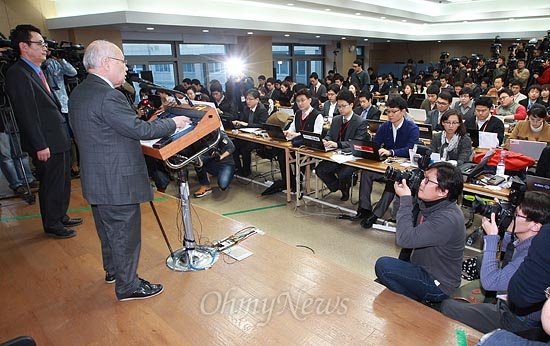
345	195
144	291
73	222
369	221
109	278
361	214
60	234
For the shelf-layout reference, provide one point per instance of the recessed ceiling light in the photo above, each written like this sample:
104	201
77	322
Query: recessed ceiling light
205	30
150	28
290	4
250	33
365	39
327	9
317	36
343	38
464	21
511	18
518	39
382	17
357	13
287	35
439	41
388	40
404	20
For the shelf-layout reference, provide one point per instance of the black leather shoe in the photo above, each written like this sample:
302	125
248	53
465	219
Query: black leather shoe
361	214
61	234
345	195
109	278
369	221
144	291
73	222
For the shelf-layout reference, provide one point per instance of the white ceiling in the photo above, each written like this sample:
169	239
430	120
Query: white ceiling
310	20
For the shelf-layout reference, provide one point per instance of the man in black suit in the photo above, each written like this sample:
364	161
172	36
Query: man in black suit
484	121
318	90
367	110
44	133
382	87
224	105
113	171
533	94
344	127
254	115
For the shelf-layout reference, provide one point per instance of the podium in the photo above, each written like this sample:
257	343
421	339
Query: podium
191	257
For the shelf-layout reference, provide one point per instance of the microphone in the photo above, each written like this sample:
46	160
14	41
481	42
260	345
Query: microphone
145	84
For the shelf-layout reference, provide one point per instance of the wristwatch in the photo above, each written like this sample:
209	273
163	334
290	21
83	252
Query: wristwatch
547	292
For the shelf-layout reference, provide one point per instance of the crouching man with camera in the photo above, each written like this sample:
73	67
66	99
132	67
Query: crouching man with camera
532	212
435	234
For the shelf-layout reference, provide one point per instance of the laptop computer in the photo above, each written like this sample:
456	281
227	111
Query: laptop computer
366	150
536	183
425	131
532	149
314	141
275	132
474	136
227	123
419	115
374	124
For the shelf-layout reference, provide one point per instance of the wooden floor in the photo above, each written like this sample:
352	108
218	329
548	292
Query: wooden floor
53	290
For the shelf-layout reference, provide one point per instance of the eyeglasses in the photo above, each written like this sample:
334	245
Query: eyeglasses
41	43
117	59
439	103
520	216
427	180
451	123
393	111
340	106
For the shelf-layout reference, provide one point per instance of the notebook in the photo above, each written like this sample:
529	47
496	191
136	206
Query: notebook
419	115
275	132
425	130
366	150
528	148
535	183
314	141
474	136
374	125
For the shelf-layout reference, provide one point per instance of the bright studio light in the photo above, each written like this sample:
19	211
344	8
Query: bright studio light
234	66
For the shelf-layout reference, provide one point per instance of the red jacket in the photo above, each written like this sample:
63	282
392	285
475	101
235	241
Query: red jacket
545	78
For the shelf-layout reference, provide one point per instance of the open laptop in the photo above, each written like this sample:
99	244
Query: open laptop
474	136
275	132
366	150
314	141
419	115
425	131
536	183
532	149
227	123
374	124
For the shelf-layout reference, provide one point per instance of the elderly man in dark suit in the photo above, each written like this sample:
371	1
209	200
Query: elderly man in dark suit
44	133
254	115
344	127
113	171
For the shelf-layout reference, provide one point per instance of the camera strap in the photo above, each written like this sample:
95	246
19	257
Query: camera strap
510	248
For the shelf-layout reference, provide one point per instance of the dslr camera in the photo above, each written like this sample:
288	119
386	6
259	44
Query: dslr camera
415	176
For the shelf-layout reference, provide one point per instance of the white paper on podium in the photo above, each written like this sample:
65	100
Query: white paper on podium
488	140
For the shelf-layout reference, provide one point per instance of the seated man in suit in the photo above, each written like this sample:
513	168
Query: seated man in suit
483	120
254	115
382	87
431	97
367	110
318	90
533	94
395	137
224	105
444	100
330	107
466	104
346	126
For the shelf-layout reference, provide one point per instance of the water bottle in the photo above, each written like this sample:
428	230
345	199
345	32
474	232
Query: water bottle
501	166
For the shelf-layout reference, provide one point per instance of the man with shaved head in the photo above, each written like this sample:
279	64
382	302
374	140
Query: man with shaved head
113	171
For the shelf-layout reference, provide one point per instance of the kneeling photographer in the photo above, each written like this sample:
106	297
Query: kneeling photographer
435	237
532	212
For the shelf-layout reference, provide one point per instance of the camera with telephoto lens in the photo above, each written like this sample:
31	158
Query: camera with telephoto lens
415	176
505	210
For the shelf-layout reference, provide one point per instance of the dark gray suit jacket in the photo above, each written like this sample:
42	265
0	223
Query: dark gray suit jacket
356	130
107	132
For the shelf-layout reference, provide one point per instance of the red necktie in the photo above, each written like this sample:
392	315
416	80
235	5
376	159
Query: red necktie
43	78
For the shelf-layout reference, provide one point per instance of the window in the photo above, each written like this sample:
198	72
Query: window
280	50
298	61
308	50
133	49
202	49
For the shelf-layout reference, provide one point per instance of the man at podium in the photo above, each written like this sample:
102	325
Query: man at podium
113	171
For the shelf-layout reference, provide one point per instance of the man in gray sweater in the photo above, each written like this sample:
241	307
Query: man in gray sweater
435	237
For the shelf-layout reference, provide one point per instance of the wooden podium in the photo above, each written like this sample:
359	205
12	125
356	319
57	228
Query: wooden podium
206	121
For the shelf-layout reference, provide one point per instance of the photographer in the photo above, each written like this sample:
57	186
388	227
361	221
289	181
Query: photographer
530	215
436	238
218	162
544	78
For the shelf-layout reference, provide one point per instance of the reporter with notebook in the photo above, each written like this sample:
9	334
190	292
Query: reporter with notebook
344	127
534	128
483	120
452	143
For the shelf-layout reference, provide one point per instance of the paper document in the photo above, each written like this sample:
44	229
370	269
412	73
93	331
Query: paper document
150	142
340	158
488	140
